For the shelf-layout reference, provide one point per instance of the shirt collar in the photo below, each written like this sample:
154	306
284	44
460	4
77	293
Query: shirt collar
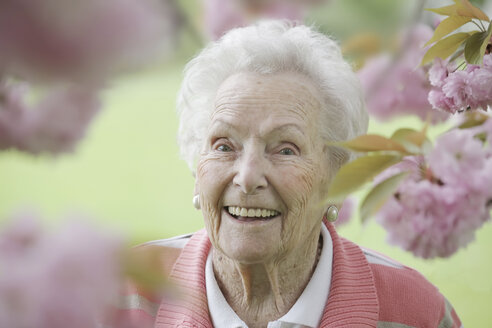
312	299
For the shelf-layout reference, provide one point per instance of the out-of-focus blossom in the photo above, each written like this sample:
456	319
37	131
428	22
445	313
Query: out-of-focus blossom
459	90
439	101
75	44
438	72
54	124
223	15
56	279
396	86
82	39
346	211
445	198
480	82
455	88
12	113
18	238
457	157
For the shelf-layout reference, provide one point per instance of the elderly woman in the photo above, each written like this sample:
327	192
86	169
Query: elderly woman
257	110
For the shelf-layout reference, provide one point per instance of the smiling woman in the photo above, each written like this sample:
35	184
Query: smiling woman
257	109
272	133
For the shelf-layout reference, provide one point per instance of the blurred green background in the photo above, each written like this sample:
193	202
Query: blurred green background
127	174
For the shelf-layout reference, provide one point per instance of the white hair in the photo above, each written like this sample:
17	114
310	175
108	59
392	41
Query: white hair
270	47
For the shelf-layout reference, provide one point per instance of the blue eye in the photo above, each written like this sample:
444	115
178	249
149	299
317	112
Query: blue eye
286	151
224	148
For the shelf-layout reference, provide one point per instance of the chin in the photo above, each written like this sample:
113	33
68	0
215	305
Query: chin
243	253
247	241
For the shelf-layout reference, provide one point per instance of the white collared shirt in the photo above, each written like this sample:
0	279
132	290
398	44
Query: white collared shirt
306	311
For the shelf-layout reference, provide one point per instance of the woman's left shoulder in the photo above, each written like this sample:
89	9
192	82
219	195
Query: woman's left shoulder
405	293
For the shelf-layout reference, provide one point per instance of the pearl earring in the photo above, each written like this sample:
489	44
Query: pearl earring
196	202
332	213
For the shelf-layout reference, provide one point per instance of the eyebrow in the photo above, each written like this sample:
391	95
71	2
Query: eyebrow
281	129
285	128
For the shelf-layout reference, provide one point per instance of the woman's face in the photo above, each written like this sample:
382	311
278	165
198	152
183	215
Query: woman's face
264	170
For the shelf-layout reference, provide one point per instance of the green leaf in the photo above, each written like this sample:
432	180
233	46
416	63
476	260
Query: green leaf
475	46
407	135
473	119
467	9
355	174
445	47
411	139
446	11
372	142
379	195
461	8
447	26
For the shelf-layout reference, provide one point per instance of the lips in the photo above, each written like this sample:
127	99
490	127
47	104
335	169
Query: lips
251	214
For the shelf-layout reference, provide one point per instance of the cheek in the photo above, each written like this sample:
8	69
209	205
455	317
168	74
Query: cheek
297	186
212	179
303	186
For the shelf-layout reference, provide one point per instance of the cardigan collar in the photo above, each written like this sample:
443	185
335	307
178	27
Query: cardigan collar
352	301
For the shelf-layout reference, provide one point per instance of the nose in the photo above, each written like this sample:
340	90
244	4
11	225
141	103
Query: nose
250	173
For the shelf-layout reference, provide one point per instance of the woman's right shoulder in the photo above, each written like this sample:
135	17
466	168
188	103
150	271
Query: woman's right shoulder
174	242
137	304
165	251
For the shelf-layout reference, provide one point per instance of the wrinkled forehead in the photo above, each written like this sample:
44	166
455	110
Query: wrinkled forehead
289	90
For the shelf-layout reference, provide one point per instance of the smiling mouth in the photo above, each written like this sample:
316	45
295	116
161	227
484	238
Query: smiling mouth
251	214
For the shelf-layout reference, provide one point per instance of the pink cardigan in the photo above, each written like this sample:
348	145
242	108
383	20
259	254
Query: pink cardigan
362	294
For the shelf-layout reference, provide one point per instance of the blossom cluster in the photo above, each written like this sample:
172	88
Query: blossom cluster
223	15
458	90
55	279
81	39
53	124
446	196
396	85
68	50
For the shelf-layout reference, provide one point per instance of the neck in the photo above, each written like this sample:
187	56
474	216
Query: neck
265	291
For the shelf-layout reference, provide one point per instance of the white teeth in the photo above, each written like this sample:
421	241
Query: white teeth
251	212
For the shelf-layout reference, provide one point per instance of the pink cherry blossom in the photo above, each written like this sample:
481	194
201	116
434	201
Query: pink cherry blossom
445	198
54	124
56	279
432	220
20	235
458	90
60	120
487	59
13	113
438	100
457	157
480	82
438	72
397	86
82	39
223	15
